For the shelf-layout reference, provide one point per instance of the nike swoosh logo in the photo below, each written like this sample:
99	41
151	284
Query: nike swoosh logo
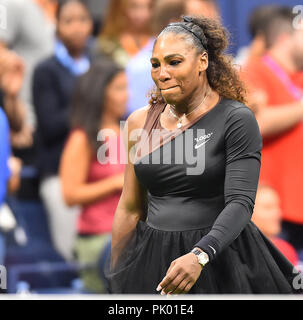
213	249
201	144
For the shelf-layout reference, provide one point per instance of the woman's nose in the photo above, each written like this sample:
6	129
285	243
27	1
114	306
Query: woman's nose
164	75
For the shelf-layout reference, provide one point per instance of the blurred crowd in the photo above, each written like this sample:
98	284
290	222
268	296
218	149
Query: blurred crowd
71	68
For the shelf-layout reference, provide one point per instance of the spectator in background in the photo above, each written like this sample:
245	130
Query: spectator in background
138	68
11	79
53	85
207	8
166	11
126	29
280	118
30	33
97	10
267	216
257	26
12	70
99	103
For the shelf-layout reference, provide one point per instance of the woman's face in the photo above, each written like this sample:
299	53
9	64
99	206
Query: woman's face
139	13
177	68
74	26
116	96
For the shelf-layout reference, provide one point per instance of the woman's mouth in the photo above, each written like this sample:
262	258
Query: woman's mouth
165	89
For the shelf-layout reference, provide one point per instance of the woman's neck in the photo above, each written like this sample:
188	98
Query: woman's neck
75	54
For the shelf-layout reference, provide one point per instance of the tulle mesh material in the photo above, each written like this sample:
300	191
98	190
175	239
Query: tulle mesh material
250	265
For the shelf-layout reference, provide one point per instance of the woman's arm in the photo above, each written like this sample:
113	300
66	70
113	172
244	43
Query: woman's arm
74	166
277	120
273	120
130	207
243	155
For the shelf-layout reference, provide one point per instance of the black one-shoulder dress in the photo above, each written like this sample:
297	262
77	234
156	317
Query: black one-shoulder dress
201	184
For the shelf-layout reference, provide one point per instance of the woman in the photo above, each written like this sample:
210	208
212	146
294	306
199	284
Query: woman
267	217
95	184
53	84
126	29
197	237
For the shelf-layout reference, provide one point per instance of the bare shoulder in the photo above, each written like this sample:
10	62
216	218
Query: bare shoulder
78	140
137	118
78	135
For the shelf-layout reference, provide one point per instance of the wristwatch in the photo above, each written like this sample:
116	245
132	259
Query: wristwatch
202	256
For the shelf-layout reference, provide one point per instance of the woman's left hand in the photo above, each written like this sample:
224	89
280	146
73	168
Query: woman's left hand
181	275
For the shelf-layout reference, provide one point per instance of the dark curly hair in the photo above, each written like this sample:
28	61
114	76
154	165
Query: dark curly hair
209	35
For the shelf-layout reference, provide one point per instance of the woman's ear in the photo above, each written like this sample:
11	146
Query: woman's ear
203	62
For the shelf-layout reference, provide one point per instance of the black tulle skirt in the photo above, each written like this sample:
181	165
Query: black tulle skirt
251	264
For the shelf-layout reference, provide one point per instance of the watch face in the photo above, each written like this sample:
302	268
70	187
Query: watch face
203	258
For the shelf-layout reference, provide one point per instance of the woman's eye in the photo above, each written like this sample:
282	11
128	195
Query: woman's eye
175	62
155	65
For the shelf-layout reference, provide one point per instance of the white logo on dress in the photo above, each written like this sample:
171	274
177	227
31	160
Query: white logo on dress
214	250
202	140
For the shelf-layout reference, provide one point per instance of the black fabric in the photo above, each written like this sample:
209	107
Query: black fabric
53	86
251	264
211	210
